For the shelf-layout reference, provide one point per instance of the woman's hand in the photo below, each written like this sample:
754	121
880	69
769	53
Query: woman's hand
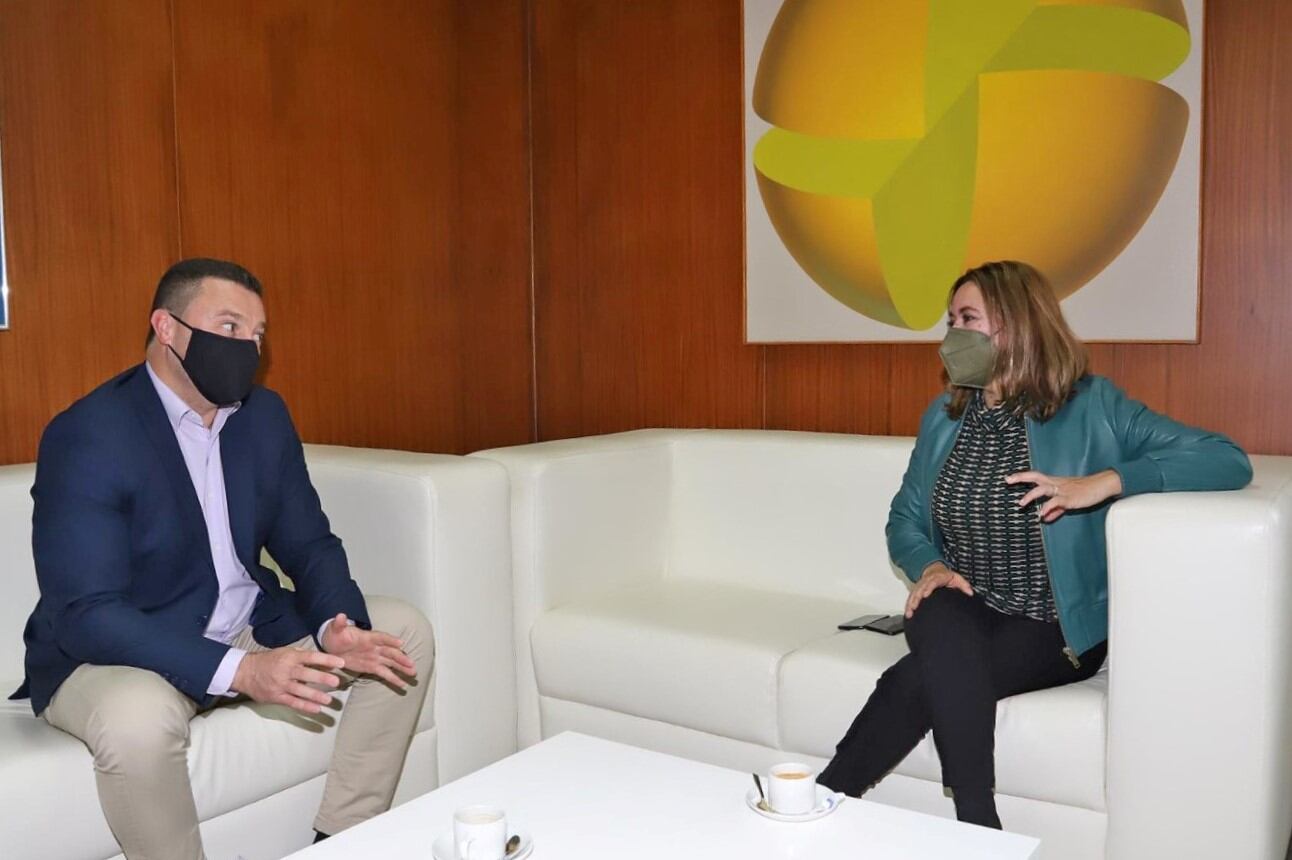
935	576
1066	494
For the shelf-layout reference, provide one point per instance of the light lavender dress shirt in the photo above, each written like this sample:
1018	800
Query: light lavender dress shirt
238	591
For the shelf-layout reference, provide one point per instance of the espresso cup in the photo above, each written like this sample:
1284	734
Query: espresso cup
791	788
480	833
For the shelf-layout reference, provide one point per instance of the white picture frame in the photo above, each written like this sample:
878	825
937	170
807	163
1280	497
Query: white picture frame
1148	293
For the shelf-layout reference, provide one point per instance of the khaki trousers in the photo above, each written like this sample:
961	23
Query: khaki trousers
137	728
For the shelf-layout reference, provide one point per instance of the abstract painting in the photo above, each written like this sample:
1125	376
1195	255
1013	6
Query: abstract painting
892	144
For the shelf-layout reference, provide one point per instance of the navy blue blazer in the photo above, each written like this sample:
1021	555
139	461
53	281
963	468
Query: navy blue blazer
122	555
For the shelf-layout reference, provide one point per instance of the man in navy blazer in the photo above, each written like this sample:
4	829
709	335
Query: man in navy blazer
154	496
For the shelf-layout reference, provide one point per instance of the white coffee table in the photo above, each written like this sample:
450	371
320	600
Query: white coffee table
584	797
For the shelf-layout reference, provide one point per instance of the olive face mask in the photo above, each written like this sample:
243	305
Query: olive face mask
969	357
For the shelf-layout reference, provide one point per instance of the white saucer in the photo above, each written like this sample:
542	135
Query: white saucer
442	848
827	801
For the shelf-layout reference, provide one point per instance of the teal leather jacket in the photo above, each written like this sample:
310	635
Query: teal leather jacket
1098	428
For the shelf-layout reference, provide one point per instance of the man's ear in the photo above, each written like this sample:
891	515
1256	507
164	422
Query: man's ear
163	326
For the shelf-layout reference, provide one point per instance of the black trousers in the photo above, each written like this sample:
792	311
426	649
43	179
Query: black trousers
964	657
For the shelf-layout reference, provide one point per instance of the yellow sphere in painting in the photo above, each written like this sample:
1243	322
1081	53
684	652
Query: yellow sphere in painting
912	139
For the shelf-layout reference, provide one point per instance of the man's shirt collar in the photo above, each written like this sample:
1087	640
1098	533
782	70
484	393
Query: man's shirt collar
177	410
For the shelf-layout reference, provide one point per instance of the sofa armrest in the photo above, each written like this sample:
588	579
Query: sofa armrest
432	530
587	515
1200	685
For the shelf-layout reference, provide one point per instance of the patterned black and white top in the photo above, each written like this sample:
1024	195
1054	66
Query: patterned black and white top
987	538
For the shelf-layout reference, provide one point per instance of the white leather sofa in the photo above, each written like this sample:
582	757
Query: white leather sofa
430	529
680	590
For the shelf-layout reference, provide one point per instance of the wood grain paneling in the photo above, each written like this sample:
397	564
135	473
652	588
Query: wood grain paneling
1237	378
915	381
373	162
369	162
638	221
839	388
1142	370
493	261
86	131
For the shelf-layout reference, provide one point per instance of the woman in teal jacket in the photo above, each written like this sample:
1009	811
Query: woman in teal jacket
999	523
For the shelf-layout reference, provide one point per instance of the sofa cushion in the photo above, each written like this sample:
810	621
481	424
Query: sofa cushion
47	791
238	754
787	511
1050	744
701	655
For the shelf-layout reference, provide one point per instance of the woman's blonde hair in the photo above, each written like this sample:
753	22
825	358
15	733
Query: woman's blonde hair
1038	359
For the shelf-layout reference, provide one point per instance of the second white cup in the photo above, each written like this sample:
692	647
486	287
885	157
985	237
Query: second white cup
480	833
791	788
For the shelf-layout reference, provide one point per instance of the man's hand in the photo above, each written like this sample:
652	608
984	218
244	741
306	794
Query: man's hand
1066	494
282	676
368	652
935	576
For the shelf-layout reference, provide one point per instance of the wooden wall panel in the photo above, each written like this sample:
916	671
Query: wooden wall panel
1237	379
373	163
916	379
492	228
86	131
1143	370
844	388
369	162
638	220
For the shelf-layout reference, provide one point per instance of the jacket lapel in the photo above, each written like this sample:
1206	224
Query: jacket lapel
160	434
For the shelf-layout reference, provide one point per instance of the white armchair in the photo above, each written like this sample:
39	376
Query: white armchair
430	529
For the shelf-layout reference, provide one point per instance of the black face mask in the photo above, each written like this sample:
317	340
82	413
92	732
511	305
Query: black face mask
221	368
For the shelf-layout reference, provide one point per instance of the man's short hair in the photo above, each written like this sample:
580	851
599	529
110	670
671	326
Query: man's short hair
181	282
